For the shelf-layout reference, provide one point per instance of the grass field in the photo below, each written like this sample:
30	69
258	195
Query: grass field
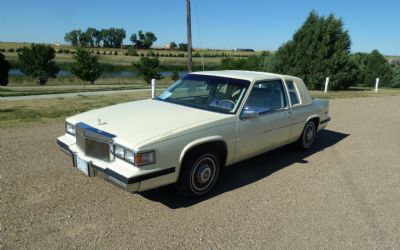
14	113
122	60
22	86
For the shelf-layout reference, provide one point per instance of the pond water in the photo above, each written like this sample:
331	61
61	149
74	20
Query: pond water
64	73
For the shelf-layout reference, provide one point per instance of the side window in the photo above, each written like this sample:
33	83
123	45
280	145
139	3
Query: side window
266	96
294	96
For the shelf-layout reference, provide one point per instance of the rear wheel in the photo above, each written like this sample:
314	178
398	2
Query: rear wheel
306	139
199	173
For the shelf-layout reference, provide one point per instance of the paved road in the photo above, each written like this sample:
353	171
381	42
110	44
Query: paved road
343	194
51	96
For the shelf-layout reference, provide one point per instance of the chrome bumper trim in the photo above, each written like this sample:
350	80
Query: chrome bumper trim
131	184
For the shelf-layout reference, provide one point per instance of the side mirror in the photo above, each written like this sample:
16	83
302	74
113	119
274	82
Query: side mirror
249	113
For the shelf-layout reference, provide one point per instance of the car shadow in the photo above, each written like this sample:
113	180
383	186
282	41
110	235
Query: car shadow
248	171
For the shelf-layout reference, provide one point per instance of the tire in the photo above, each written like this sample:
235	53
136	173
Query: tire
199	173
307	137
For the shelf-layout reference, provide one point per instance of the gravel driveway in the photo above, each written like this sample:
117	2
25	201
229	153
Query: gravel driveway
344	193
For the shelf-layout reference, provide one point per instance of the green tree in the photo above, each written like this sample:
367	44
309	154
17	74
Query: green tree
396	73
91	33
73	37
375	65
38	62
173	45
4	68
357	59
183	46
86	65
113	37
85	39
148	68
97	37
319	49
143	40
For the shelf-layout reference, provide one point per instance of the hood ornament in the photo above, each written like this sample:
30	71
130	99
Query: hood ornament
100	122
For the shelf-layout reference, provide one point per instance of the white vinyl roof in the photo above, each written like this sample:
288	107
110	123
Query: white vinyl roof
241	74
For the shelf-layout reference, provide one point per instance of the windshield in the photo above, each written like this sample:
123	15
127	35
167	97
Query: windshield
214	93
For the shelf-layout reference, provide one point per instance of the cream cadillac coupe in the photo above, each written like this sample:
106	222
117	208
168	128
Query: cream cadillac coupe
203	122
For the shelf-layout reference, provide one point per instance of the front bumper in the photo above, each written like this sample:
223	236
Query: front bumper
130	184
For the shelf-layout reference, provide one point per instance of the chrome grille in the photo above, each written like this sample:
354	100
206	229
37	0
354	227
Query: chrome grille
93	142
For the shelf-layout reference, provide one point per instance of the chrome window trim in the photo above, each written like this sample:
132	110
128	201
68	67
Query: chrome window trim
246	97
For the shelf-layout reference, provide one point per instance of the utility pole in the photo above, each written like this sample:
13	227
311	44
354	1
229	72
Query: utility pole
189	35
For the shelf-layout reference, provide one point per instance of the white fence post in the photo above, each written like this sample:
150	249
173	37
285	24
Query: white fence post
153	88
376	84
326	85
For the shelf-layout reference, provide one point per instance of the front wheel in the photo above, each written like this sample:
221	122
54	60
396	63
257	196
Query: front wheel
306	139
199	173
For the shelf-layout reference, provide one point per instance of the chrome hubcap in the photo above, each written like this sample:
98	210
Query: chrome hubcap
308	137
203	174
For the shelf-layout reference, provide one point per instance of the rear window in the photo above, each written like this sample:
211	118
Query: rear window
294	96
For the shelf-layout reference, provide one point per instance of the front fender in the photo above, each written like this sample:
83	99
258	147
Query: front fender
198	142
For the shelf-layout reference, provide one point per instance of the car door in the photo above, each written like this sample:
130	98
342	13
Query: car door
270	127
300	112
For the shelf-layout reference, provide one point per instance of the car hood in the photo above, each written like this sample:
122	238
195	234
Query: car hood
138	122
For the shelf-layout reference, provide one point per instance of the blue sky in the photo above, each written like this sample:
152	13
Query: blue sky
257	24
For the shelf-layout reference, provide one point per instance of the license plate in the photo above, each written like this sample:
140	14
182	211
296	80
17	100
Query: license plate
82	165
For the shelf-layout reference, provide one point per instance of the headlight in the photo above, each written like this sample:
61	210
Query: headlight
138	159
130	156
119	151
70	128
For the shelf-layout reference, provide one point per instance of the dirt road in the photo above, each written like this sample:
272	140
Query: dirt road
344	193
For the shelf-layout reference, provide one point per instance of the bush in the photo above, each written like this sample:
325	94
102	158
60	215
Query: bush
151	54
104	52
148	68
175	75
10	50
4	69
115	53
38	62
375	66
60	51
2	50
131	51
86	65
